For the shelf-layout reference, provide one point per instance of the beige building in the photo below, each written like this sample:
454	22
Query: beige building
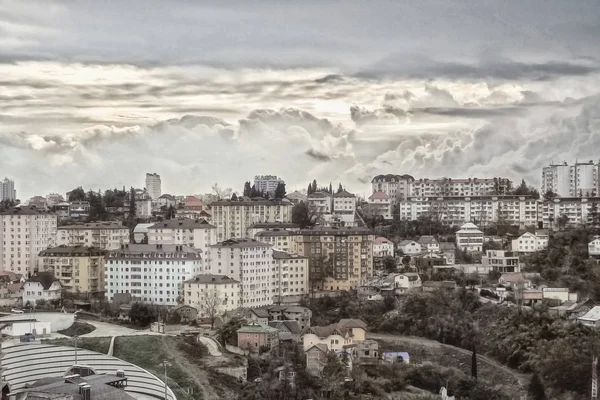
195	233
396	187
205	287
233	218
79	269
344	202
338	258
290	274
279	239
103	235
24	232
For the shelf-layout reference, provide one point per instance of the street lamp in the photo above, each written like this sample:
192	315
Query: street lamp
165	364
75	339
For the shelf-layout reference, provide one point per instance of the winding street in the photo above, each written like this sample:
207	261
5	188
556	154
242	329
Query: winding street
523	379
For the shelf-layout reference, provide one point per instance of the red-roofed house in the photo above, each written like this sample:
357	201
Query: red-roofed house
193	203
383	247
380	204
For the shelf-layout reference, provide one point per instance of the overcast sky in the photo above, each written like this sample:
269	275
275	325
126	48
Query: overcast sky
97	93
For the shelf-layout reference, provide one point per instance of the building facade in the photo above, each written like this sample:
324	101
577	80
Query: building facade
320	202
530	242
280	239
150	273
233	218
577	180
380	204
43	286
102	235
396	187
7	190
383	247
448	187
344	203
212	289
194	233
469	238
290	274
251	263
153	185
24	233
501	261
267	183
79	269
338	258
577	211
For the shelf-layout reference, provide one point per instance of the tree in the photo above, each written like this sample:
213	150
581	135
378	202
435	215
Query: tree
594	215
389	264
171	212
340	188
309	190
131	217
280	191
234	197
247	189
253	370
254	192
536	390
314	185
227	333
77	194
474	363
549	195
142	314
304	215
211	304
330	188
562	221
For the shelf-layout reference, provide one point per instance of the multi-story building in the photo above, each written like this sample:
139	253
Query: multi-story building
280	239
143	203
7	190
102	235
150	273
575	211
248	261
530	242
578	180
206	289
338	258
469	238
233	218
53	199
267	183
396	187
320	202
344	203
79	210
380	204
501	261
383	247
37	202
193	203
24	232
484	210
165	200
194	233
460	187
79	269
153	185
290	275
296	197
594	248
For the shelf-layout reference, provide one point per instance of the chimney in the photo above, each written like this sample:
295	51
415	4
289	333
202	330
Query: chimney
120	373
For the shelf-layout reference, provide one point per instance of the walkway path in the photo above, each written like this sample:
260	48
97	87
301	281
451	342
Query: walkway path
211	345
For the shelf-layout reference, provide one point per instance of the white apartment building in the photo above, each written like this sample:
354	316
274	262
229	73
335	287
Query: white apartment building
290	274
195	233
102	235
380	204
530	242
150	273
460	187
320	202
153	185
594	248
7	190
578	180
344	203
267	183
280	239
469	238
248	261
24	232
383	247
233	218
396	187
514	210
198	290
579	211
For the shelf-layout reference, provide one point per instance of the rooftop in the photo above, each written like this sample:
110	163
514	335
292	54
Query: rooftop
240	243
255	327
427	240
288	225
379	196
212	279
273	232
280	255
252	202
153	248
332	231
101	387
382	240
392	178
592	315
26	210
45	278
95	225
73	251
183	223
343	193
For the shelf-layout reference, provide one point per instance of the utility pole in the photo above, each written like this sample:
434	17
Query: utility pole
595	378
165	364
75	339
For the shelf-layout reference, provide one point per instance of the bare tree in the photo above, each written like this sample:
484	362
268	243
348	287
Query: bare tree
220	192
211	304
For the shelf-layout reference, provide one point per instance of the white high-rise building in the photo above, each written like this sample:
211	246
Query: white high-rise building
578	180
250	262
267	183
195	233
24	233
7	190
151	273
153	185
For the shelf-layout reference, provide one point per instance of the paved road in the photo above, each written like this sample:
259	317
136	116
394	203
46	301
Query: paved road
104	329
211	345
523	379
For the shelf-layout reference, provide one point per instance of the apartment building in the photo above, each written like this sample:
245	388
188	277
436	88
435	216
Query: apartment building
79	269
320	202
206	287
54	198
233	218
460	187
37	202
165	200
484	210
380	204
577	180
530	242
195	233
7	190
338	258
577	210
248	261
267	183
102	235
383	247
344	203
469	238
290	274
150	273
396	187
278	238
267	226
501	261
24	233
153	185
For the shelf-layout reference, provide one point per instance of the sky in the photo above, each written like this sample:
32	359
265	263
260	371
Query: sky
96	94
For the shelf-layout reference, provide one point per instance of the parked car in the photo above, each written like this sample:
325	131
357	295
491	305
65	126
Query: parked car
28	337
16	311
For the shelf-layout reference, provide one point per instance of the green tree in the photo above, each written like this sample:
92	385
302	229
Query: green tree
247	189
234	197
142	314
77	194
340	188
562	221
389	264
280	191
474	363
171	212
131	217
309	190
314	186
536	389
227	333
304	215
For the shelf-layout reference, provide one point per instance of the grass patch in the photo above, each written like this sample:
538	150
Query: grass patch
77	329
97	344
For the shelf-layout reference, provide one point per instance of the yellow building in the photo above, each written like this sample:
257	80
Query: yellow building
338	258
212	293
79	269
